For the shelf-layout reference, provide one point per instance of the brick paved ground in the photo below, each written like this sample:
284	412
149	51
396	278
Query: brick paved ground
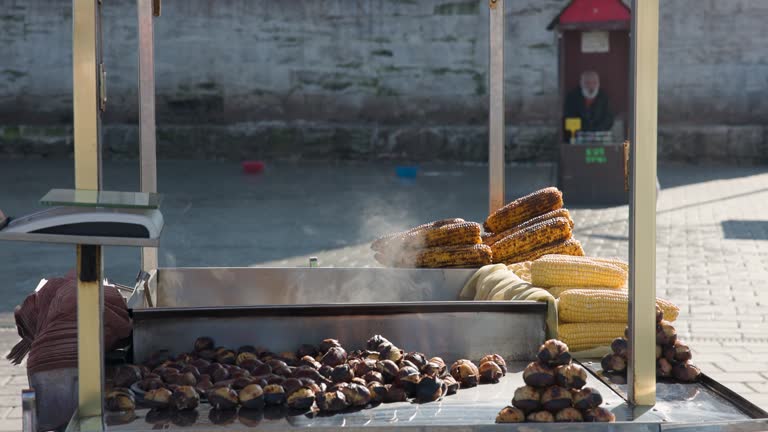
712	260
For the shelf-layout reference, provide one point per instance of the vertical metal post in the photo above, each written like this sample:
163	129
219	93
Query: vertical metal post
147	134
87	100
28	411
496	106
642	217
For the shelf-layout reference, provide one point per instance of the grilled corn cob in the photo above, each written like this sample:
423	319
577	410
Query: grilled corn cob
522	209
381	243
584	336
463	233
566	270
570	246
528	239
602	305
562	212
447	256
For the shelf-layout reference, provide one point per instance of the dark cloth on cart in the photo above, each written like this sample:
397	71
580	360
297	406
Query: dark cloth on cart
47	324
595	114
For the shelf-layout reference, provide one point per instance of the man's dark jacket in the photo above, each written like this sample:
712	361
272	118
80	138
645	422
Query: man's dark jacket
596	117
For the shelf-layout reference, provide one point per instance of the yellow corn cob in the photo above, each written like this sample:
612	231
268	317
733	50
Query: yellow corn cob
615	261
583	336
570	246
522	209
463	233
447	256
602	305
566	270
562	212
381	243
528	239
522	270
558	291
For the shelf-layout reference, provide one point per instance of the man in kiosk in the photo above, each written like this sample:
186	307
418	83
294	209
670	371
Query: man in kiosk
589	104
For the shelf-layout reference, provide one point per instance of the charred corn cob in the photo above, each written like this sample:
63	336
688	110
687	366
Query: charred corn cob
447	256
463	233
583	336
528	239
381	243
562	212
522	209
601	305
566	270
570	246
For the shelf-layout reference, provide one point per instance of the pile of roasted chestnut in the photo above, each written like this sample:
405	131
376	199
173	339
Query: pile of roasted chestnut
673	356
555	392
322	377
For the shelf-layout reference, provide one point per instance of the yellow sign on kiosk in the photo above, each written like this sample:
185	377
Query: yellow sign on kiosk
573	125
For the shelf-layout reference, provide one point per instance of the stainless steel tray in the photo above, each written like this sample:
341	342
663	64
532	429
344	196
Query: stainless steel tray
451	330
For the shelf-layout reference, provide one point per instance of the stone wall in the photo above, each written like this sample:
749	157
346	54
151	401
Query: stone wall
366	79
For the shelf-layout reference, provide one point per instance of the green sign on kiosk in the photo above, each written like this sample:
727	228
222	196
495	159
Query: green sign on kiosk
595	155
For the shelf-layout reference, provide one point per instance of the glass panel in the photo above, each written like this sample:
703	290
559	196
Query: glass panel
92	198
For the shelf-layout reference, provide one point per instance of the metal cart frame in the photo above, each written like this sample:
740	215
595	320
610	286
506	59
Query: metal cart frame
90	101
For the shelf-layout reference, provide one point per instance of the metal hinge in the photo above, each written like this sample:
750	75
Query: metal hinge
493	3
102	88
156	8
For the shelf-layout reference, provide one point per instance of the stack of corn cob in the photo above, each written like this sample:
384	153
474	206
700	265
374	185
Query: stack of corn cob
592	300
443	243
530	227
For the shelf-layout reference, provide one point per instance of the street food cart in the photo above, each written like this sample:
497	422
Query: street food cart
285	307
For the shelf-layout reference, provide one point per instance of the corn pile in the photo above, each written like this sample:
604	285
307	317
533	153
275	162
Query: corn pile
530	227
673	356
444	243
592	302
555	391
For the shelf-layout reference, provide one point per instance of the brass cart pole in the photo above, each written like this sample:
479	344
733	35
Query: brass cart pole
147	9
642	215
88	100
496	106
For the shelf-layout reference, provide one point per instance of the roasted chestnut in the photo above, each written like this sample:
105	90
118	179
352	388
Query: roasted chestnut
373	376
274	394
223	398
127	375
407	378
289	357
388	370
357	395
334	357
332	401
204	344
682	352
620	346
193	370
186	378
262	369
242	382
209	355
538	375
148	384
160	397
307	350
587	398
599	415
244	357
390	352
490	372
499	360
451	385
291	384
556	398
185	398
157	358
327	344
220	374
440	362
527	398
465	372
431	369
309	361
540	417
613	363
571	376
665	333
669	353
568	415
359	381
204	384
685	372
510	415
374	342
252	397
308	372
363	367
378	391
554	353
200	364
120	399
222	417
342	373
395	394
301	398
429	389
417	358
